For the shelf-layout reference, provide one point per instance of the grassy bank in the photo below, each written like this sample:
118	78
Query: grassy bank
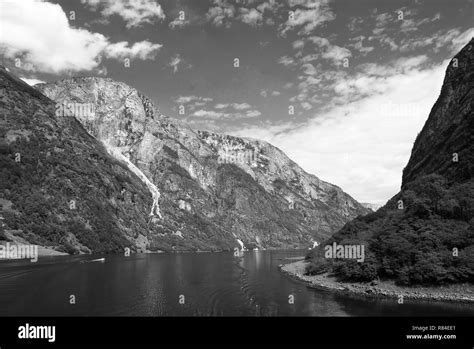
385	289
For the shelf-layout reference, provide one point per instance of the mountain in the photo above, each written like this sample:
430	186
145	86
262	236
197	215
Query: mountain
445	146
425	233
58	185
372	207
136	178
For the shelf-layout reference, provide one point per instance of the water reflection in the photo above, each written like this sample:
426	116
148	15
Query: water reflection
216	284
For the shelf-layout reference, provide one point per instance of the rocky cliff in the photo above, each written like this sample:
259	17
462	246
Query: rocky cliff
206	191
58	185
425	233
445	145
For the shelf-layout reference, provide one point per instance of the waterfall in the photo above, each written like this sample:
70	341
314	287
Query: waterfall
155	193
242	246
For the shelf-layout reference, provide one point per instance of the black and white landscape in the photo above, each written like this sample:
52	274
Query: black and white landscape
236	158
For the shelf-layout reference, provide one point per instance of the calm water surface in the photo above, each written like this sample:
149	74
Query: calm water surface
217	284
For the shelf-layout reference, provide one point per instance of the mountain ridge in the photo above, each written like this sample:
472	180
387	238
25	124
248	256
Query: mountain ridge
169	188
56	210
149	131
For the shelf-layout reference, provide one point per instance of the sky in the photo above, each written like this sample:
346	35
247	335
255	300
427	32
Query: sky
341	86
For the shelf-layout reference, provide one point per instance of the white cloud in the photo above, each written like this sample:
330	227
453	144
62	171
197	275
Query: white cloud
252	113
232	111
221	13
134	12
209	114
408	33
52	45
241	106
382	20
309	69
358	45
461	40
251	16
235	106
178	23
336	54
298	44
364	138
176	60
313	14
305	3
331	52
188	99
373	78
407	63
453	39
313	75
286	61
270	6
355	24
142	50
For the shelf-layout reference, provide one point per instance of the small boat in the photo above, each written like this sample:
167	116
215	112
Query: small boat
100	260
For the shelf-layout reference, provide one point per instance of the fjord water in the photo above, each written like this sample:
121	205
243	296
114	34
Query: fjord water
216	284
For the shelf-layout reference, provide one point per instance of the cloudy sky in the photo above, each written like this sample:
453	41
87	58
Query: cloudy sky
342	86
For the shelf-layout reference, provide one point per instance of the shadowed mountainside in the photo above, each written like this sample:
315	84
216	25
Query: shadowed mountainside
425	233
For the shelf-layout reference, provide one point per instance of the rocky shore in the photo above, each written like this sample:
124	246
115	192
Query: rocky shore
382	289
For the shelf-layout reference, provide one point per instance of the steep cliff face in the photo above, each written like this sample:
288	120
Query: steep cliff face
425	233
209	189
58	185
445	145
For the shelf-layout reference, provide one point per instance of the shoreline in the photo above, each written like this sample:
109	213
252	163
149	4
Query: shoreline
463	293
52	254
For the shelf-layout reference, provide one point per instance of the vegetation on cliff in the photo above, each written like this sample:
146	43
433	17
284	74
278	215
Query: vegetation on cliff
425	233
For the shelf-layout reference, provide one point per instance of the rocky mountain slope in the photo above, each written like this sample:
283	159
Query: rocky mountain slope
446	143
207	191
425	233
58	185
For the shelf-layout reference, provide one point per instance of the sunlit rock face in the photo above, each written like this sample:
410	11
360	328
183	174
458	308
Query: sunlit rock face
214	189
59	187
